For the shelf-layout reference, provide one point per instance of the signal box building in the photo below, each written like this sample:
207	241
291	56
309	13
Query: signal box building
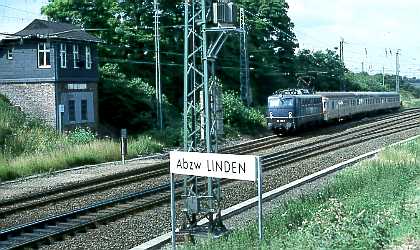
49	70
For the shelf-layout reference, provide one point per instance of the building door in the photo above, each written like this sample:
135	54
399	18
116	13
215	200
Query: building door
78	108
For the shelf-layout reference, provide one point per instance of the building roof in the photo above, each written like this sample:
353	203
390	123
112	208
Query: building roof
47	29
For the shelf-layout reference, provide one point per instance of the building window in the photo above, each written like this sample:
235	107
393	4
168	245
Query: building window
10	54
63	55
72	111
83	110
76	57
76	86
44	55
88	58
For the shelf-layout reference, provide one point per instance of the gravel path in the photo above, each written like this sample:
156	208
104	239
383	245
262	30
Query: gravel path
138	228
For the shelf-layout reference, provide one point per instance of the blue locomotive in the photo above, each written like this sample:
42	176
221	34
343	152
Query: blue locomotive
291	110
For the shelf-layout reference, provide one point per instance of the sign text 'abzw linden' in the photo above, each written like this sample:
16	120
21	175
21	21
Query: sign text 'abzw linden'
237	167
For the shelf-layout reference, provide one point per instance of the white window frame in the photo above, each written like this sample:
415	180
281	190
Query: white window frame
10	54
77	86
88	58
76	57
63	55
46	52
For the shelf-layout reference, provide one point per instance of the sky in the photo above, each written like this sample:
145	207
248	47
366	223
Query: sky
368	27
16	14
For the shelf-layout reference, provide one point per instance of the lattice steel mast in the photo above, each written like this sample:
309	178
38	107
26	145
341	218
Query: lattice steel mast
202	196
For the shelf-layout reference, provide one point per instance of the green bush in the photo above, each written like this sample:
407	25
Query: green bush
81	136
132	101
237	116
143	145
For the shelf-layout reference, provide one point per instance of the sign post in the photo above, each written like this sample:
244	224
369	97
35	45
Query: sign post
223	166
260	191
123	144
60	117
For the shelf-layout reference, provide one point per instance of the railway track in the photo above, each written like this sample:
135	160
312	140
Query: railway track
53	228
136	175
11	206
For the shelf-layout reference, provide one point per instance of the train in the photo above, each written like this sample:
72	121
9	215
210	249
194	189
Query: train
292	110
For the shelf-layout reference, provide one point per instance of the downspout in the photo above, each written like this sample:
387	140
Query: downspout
56	88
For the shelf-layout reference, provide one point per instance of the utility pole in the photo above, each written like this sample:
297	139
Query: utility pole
158	83
246	95
363	67
342	84
397	71
342	50
383	76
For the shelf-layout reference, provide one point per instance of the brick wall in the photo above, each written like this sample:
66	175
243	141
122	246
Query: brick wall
35	99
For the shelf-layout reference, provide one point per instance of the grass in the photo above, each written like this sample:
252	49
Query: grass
94	152
374	205
409	99
28	147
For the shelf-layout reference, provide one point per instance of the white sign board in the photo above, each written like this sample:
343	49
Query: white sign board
61	108
226	166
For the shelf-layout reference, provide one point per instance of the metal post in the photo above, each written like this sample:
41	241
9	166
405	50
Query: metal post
157	67
123	145
173	212
244	62
383	76
397	73
60	118
260	191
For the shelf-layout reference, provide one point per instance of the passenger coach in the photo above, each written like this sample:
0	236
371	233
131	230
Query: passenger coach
341	105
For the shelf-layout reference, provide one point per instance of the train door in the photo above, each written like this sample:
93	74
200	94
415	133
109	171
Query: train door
325	108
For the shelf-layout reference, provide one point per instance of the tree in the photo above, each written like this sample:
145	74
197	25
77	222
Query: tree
324	66
271	45
126	28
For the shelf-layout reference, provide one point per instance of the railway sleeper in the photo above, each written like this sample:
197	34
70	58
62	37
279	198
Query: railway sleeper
87	218
42	231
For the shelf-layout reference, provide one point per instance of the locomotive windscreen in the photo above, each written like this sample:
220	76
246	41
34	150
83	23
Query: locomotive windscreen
280	102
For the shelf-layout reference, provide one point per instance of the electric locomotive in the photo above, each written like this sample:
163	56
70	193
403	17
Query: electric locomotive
290	110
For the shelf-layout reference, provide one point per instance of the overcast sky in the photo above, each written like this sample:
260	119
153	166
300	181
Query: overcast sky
372	26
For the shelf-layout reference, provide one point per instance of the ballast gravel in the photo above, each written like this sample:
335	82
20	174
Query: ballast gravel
138	228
